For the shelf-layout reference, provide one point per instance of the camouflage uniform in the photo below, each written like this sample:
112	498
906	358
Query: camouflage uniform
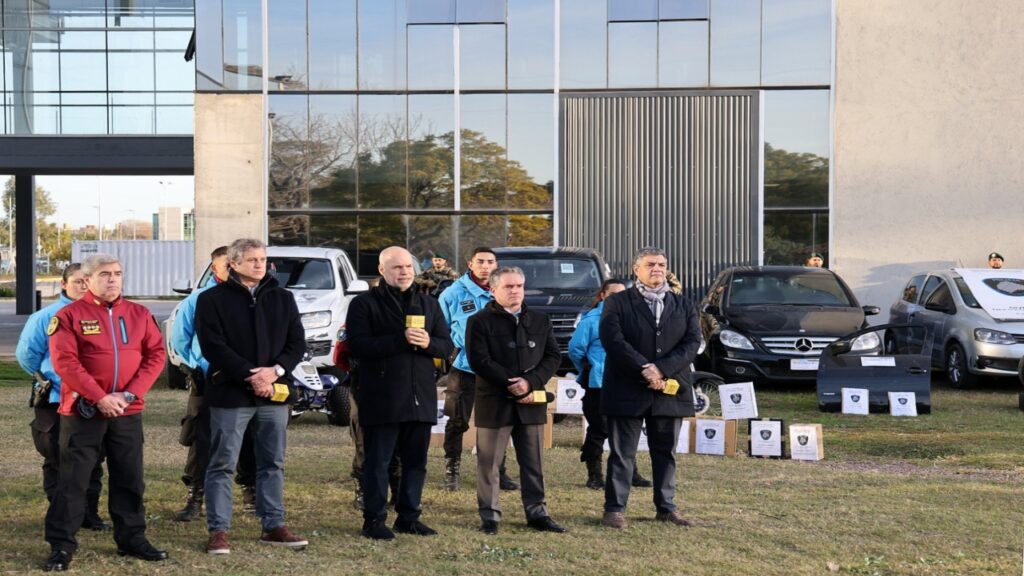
431	278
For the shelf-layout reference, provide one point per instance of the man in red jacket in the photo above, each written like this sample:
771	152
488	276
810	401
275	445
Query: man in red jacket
108	352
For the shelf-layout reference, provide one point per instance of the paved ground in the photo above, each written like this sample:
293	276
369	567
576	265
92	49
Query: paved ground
11	324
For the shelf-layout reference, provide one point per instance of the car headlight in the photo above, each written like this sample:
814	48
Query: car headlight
993	336
321	319
869	341
735	340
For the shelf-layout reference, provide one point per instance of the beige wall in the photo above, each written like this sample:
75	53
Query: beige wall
929	139
229	174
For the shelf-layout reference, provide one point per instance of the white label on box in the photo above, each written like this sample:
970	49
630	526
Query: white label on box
710	437
902	403
683	441
855	401
803	442
738	401
803	364
570	397
877	361
766	438
567	268
442	420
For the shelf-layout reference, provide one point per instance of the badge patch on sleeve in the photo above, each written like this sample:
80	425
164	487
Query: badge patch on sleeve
54	324
468	306
89	327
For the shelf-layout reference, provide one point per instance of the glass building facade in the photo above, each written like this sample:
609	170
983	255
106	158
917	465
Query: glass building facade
96	67
434	123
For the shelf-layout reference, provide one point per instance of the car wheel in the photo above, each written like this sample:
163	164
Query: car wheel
339	406
175	377
956	368
705	392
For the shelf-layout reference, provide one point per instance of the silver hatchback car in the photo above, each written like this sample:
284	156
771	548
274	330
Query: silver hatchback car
966	341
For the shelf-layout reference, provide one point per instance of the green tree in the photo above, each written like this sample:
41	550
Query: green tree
47	234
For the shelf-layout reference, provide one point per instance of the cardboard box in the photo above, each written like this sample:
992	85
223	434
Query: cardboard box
469	438
806	442
714	436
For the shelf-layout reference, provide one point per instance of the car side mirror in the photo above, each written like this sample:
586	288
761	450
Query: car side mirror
938	307
358	287
182	286
711	309
840	347
871	310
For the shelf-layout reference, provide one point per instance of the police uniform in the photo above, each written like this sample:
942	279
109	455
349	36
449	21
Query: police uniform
99	348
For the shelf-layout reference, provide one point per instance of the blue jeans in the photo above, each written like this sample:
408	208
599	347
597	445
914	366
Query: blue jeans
227	426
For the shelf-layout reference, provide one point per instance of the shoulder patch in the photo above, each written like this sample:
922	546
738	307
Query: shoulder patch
52	327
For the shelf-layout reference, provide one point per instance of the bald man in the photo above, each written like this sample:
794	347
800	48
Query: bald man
394	334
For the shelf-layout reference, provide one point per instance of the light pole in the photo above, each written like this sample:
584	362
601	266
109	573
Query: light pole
99	211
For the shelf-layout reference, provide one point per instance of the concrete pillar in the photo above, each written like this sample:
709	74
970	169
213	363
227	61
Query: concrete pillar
25	240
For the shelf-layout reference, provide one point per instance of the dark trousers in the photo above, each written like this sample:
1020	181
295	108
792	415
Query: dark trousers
528	440
195	433
597	427
46	436
623	437
410	440
81	442
459	397
355	431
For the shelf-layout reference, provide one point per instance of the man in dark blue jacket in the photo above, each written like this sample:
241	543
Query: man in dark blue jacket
394	334
650	335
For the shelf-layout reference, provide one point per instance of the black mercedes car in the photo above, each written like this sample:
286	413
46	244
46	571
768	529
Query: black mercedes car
772	322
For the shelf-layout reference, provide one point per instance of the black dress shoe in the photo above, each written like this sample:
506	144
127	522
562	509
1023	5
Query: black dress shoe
505	482
545	524
376	530
639	481
144	551
415	527
94	522
489	527
58	561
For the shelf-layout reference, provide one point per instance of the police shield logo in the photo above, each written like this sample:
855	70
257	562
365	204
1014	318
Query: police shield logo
736	398
855	397
54	324
1006	286
710	433
766	434
570	393
901	400
802	439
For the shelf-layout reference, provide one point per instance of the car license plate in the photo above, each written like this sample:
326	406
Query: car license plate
803	364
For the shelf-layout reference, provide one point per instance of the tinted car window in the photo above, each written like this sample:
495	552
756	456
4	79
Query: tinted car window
302	273
913	289
941	297
966	294
557	273
929	287
789	288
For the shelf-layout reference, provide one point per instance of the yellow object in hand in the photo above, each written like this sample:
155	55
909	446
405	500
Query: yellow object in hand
540	397
671	387
415	321
280	393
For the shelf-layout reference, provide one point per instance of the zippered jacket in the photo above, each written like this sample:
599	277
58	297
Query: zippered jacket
33	351
458	302
98	348
183	339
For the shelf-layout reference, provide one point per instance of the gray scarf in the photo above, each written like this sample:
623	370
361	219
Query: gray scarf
655	298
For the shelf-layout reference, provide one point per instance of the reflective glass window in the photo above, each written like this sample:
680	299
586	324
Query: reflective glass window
46	120
174	119
286	41
69	14
735	42
482	58
683	9
334	231
789	238
375	234
243	41
480	11
481	231
530	230
173	73
632	10
332	143
176	40
382	151
179	15
583	44
38	67
100	98
288	230
138	14
131	71
683	54
132	119
431	11
531	44
531	150
796	155
430	234
289	150
382	45
85	71
797	42
483	152
76	40
431	60
209	45
431	151
83	120
332	44
633	55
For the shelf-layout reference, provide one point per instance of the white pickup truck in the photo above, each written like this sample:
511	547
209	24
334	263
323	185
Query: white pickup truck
323	281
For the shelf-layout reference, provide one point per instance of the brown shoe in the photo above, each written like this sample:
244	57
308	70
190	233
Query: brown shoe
218	543
672	517
282	536
615	520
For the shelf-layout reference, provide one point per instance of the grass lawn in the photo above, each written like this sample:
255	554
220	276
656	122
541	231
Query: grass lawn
939	494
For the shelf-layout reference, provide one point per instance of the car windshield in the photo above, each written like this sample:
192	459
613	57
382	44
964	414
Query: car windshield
786	288
554	273
302	273
966	294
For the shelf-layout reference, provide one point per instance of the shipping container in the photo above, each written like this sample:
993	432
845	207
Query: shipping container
151	267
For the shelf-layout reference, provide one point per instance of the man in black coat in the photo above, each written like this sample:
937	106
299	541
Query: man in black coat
651	336
394	334
513	353
249	330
